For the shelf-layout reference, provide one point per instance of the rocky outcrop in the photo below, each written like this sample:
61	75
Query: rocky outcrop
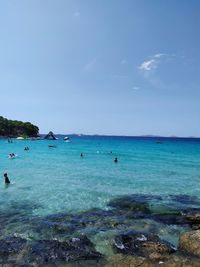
178	260
50	136
144	245
18	251
175	260
120	260
193	219
11	246
10	249
190	242
53	251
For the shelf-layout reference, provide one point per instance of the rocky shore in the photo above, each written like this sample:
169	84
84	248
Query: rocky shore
135	230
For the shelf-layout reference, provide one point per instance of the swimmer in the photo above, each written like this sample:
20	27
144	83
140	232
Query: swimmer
81	155
7	181
115	160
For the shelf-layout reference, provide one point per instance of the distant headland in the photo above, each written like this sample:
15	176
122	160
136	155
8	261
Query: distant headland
14	128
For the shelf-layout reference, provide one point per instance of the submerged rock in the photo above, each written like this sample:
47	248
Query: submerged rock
185	199
170	219
11	245
18	252
10	249
133	203
52	251
190	242
144	245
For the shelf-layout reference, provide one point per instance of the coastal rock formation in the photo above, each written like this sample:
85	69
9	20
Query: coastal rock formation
193	219
41	252
178	260
175	260
53	251
11	246
144	245
120	260
190	242
140	217
50	136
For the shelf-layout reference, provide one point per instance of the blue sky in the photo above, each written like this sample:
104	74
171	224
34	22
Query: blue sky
128	67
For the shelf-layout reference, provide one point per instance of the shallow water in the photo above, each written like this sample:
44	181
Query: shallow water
48	181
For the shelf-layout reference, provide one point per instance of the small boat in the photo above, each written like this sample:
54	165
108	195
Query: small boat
66	138
20	138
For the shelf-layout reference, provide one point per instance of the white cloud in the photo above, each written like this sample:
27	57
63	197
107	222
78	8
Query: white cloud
76	14
158	55
152	63
148	65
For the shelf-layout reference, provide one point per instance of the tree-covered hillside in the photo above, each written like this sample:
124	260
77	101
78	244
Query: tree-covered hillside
13	128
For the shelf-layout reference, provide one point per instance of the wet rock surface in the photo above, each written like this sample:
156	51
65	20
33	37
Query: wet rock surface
175	260
10	248
193	219
53	251
137	223
190	242
144	245
18	251
120	260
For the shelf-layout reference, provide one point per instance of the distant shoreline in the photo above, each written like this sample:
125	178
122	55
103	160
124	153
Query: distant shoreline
128	136
117	136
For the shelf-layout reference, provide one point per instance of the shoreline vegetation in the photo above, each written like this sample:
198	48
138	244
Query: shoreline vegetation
15	128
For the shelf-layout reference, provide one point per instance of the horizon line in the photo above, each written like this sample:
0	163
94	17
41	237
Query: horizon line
114	135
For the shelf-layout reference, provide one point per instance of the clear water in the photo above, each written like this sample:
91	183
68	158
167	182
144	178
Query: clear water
53	180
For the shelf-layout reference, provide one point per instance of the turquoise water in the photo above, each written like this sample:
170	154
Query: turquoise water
58	179
48	181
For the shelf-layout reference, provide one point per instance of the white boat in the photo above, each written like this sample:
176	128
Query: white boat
66	138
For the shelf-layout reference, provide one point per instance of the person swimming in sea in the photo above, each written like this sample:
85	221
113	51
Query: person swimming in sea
116	160
7	181
81	155
12	155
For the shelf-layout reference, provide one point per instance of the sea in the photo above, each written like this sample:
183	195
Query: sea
52	179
